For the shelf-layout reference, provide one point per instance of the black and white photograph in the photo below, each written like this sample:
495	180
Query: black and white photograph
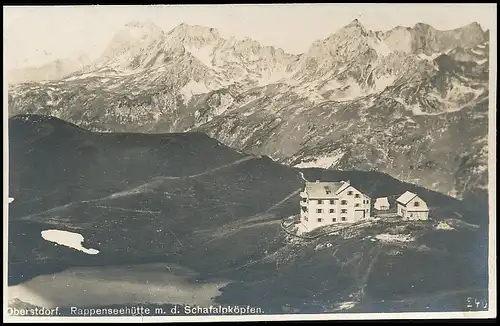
249	162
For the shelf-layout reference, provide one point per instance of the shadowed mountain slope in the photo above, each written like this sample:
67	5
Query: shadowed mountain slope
187	199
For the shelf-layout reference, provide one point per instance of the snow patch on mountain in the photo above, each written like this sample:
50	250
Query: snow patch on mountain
383	82
350	92
193	88
417	110
82	76
459	90
332	84
226	101
203	54
324	162
477	52
380	47
431	57
273	78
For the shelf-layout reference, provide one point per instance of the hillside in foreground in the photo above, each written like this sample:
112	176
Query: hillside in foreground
186	200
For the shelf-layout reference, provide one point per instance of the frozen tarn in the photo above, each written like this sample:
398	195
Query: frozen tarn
118	285
68	239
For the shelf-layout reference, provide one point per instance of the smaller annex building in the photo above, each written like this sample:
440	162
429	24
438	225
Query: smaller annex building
381	204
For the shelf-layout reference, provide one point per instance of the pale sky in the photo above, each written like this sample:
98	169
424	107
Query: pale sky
36	35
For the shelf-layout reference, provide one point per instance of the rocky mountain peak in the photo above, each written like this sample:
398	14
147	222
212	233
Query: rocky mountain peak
194	34
487	35
131	40
474	26
422	26
425	39
355	23
354	28
350	34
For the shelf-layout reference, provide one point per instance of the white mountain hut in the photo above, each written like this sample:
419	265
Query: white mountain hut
326	203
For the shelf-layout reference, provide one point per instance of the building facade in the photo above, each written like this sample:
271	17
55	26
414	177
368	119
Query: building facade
381	204
412	207
325	203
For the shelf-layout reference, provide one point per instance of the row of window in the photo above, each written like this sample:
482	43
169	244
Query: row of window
343	218
319	210
331	210
333	201
320	219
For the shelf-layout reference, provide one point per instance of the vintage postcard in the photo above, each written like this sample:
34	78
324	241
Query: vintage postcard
249	162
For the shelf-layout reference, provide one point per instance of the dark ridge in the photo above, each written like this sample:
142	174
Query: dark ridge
487	35
32	120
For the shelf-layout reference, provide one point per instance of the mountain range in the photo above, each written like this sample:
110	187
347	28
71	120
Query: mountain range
53	70
148	203
411	102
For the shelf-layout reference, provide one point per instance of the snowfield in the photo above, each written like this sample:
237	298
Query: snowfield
321	162
68	239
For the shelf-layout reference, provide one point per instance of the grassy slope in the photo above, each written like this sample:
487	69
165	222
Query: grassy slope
223	221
